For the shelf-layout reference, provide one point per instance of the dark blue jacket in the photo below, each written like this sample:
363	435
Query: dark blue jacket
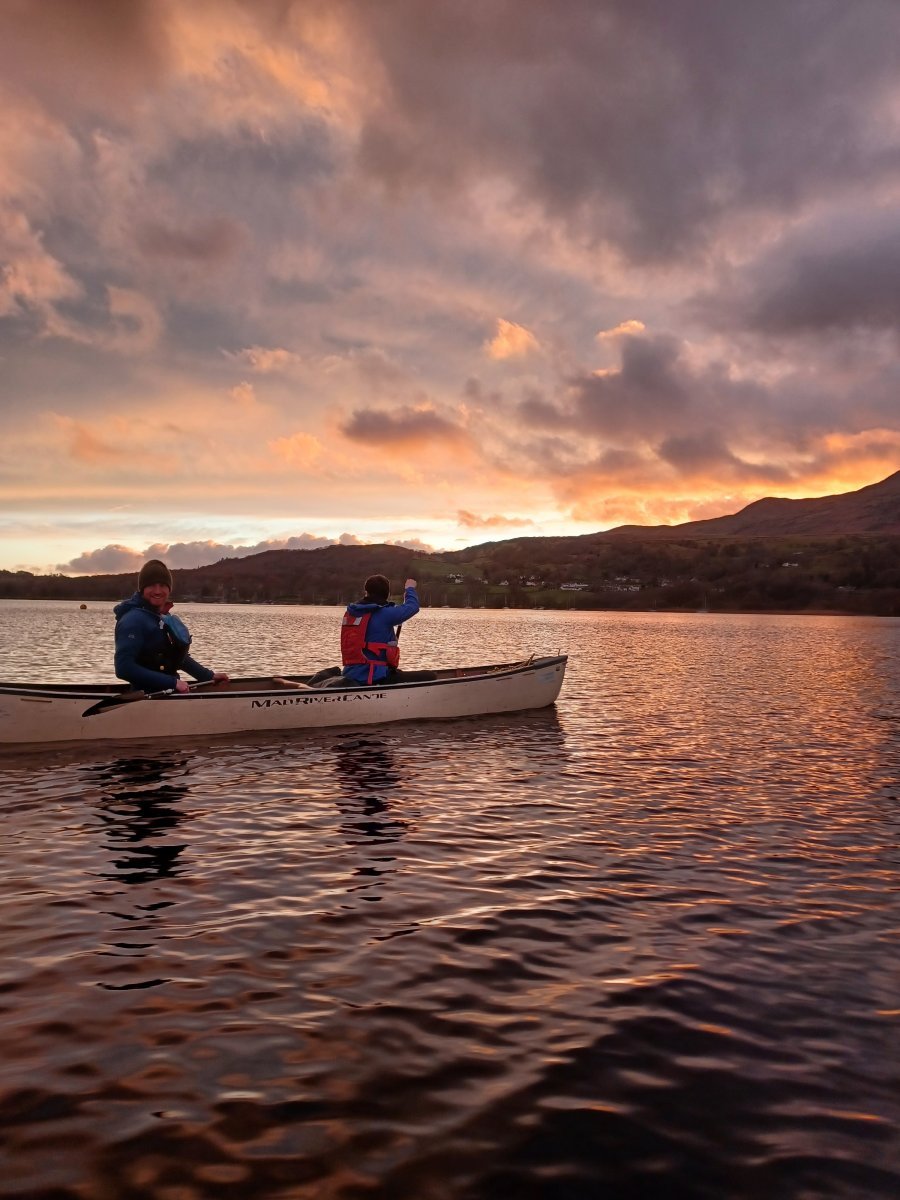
384	620
145	656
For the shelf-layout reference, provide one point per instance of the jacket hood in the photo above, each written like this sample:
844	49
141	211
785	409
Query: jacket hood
360	607
135	601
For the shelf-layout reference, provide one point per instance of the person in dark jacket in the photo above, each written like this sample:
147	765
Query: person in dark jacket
369	631
151	644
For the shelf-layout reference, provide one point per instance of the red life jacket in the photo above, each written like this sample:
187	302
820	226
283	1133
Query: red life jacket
356	649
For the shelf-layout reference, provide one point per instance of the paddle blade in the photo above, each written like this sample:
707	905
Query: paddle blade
108	703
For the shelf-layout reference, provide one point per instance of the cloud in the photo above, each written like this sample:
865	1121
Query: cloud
839	273
469	520
701	119
705	453
31	279
415	544
116	559
244	395
629	328
267	359
135	323
108	560
644	397
299	450
84	444
209	241
404	428
511	341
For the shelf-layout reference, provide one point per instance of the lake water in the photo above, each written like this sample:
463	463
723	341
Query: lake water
642	944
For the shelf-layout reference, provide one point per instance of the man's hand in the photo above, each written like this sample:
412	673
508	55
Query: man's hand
410	583
182	686
220	677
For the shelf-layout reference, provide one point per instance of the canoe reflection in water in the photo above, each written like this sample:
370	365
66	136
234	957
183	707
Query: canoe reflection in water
139	812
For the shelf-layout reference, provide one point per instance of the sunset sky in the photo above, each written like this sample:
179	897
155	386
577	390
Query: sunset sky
437	272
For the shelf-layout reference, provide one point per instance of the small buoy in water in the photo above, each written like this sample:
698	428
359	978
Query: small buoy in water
82	606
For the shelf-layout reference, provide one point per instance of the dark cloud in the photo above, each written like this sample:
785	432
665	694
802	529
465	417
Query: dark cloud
658	410
706	454
538	413
85	56
475	392
204	242
646	396
640	122
839	274
300	291
400	427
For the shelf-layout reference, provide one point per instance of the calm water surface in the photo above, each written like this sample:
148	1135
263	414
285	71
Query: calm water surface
643	944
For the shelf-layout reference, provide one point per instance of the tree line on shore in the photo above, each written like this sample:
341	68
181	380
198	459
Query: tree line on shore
594	571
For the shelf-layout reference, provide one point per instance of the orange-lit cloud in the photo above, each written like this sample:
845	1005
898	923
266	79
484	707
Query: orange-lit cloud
511	341
268	358
83	443
469	520
623	329
30	277
244	395
299	450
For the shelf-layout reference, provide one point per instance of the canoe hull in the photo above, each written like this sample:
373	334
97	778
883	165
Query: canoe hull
34	715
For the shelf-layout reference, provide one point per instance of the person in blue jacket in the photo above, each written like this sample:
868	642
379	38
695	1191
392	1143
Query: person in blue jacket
369	631
151	644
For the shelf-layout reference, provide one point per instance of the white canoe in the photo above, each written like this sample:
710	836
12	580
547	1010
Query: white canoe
33	714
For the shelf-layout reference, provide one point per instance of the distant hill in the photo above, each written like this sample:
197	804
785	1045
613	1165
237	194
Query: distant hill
874	509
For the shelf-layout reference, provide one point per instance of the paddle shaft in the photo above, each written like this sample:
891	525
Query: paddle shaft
108	703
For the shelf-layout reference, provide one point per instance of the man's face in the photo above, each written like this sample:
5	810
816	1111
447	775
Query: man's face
156	594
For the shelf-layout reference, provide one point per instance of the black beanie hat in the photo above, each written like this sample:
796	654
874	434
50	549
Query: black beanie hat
154	571
378	588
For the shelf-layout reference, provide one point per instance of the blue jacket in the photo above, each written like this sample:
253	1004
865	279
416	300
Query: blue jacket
382	623
145	656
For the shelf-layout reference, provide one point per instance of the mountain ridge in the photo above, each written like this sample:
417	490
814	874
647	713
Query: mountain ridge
874	508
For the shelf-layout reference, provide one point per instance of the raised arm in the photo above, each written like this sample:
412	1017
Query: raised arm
402	612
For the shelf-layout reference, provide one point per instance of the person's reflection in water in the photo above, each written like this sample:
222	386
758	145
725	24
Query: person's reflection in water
368	776
367	772
139	813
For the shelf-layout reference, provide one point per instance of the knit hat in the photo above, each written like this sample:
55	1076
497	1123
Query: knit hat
152	572
378	588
